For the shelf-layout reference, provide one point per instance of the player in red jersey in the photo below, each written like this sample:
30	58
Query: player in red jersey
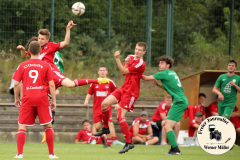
235	120
159	119
126	96
139	127
47	53
100	92
35	76
86	134
212	109
194	124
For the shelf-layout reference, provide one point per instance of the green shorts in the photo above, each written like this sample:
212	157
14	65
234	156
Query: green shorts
176	111
226	111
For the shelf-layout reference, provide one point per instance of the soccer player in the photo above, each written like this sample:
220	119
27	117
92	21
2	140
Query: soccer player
212	109
171	83
226	87
35	76
139	127
194	124
159	120
100	92
86	134
47	53
127	94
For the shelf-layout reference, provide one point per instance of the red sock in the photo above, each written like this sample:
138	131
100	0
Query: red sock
114	138
109	141
124	127
20	140
105	114
50	139
81	82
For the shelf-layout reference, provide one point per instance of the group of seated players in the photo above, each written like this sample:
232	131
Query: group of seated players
149	132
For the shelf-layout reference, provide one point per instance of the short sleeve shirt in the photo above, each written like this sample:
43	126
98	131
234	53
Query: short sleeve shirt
229	92
171	83
162	108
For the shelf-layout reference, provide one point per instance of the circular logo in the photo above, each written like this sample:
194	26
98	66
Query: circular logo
216	135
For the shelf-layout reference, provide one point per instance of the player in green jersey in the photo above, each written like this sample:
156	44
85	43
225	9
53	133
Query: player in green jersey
226	87
171	83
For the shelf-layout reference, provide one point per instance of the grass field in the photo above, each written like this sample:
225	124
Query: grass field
66	151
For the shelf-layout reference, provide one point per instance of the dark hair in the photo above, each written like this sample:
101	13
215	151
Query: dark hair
34	47
102	66
232	61
44	32
86	121
202	95
166	59
142	44
32	39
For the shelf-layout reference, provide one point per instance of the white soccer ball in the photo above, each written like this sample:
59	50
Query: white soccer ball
78	8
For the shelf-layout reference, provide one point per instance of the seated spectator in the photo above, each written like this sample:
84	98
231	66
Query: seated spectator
191	110
194	124
138	129
159	118
86	134
235	120
212	109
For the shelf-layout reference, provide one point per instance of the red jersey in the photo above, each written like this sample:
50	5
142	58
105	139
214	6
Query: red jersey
48	52
100	91
192	110
35	75
87	136
131	84
142	126
213	107
191	129
162	108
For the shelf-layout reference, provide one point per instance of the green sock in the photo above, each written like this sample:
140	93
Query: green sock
172	138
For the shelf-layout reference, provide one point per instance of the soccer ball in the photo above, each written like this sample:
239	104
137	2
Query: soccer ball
78	8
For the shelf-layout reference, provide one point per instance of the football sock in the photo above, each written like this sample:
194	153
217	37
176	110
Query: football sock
124	127
20	140
81	82
109	141
172	138
50	139
93	138
105	114
114	138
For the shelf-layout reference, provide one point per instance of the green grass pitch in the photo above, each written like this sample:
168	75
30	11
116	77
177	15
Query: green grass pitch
66	151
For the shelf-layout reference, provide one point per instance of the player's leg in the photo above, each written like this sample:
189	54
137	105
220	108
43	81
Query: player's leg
152	141
20	140
80	82
114	139
163	134
177	129
138	139
228	111
110	100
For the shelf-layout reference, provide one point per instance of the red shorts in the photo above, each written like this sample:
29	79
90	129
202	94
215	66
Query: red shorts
97	117
58	77
28	114
125	100
235	121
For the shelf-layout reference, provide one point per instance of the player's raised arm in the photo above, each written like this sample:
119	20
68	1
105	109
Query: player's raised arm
23	51
122	69
67	36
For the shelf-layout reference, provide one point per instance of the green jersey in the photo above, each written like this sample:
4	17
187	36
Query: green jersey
58	61
229	92
171	83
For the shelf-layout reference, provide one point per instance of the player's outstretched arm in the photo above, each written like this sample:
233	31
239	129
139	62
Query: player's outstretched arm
216	91
67	36
147	78
16	93
23	51
122	69
52	91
